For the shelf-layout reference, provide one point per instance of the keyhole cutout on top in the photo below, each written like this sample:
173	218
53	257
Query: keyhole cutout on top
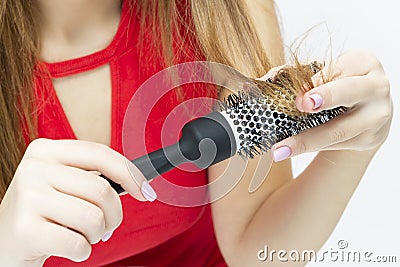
86	101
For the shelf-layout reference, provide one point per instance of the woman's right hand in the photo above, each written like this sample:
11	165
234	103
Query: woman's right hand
57	206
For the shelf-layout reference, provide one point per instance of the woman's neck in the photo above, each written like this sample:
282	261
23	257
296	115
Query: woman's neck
73	28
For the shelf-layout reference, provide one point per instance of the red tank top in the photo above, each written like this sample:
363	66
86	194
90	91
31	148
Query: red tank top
151	234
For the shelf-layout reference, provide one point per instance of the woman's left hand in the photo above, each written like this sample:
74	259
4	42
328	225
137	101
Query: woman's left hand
359	82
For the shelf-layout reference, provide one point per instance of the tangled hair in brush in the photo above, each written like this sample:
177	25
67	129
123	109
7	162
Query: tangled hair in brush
280	90
286	84
264	112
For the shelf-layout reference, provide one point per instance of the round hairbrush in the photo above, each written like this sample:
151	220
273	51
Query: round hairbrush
247	123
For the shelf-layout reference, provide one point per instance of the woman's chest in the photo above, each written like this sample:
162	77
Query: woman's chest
86	102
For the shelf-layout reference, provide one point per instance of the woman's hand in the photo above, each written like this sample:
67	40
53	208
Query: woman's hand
359	82
56	205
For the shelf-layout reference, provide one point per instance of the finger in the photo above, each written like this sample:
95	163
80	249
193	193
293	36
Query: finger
344	92
56	240
346	65
92	188
314	139
74	213
271	73
92	157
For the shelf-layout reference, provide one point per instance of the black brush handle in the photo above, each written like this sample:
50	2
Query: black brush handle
154	164
205	141
159	161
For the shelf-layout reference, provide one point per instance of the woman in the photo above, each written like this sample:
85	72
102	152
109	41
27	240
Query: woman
86	59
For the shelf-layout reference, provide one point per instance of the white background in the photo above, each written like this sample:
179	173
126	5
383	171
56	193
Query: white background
372	220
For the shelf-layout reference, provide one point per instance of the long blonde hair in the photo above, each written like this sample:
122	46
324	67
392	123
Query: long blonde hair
220	27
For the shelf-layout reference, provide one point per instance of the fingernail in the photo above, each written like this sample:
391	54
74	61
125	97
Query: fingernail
148	192
317	99
282	153
107	236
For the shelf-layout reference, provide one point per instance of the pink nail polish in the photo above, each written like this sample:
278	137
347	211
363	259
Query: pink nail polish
282	153
107	236
148	192
317	99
